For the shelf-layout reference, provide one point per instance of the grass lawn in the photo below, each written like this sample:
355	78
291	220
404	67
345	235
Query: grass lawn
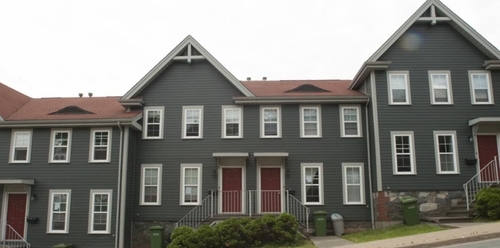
392	232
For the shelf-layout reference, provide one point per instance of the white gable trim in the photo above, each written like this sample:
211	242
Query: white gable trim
457	22
189	41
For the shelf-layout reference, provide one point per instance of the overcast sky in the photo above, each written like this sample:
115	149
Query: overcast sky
60	48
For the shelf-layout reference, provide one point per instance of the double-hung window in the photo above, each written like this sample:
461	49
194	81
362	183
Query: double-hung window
100	211
403	153
232	122
350	120
190	184
60	146
59	209
353	183
440	87
192	122
151	184
312	183
20	149
270	122
480	87
445	143
153	123
399	87
100	142
310	122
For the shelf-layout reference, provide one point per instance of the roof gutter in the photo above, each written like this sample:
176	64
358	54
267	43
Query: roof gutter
295	99
71	123
365	71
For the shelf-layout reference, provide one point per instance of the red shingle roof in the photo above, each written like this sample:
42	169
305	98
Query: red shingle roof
10	100
283	88
46	108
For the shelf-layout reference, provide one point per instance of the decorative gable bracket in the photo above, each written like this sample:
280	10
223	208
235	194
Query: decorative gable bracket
431	16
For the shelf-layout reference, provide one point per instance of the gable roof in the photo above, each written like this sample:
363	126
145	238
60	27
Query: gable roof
10	101
188	43
431	11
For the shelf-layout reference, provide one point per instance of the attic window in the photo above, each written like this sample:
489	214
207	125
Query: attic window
71	110
306	88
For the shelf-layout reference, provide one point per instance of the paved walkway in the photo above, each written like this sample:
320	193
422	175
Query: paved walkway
464	232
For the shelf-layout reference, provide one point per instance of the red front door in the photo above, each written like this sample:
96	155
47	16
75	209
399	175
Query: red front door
16	215
270	186
231	190
488	150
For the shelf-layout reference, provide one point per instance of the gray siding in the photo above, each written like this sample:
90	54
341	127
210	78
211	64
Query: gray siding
79	175
441	48
200	84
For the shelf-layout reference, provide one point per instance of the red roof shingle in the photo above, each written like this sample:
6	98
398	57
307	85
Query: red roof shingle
45	108
10	101
282	88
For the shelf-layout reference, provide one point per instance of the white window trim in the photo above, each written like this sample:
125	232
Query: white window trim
52	148
240	123
200	127
158	189
303	167
318	121
52	192
449	90
94	192
28	148
408	92
361	168
145	122
200	175
490	88
456	162
411	136
342	122
92	145
262	131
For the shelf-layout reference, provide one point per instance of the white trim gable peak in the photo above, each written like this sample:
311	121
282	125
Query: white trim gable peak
187	50
433	12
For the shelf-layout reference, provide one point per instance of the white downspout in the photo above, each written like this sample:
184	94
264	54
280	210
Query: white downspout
124	187
369	164
118	205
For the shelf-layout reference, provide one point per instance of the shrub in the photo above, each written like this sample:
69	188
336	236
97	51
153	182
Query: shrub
488	203
240	233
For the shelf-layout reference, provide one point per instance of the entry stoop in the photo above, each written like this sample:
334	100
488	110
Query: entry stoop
457	213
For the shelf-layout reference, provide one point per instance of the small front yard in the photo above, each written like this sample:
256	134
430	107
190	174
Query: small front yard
400	230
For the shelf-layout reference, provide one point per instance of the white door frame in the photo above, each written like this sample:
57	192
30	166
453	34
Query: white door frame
243	188
14	189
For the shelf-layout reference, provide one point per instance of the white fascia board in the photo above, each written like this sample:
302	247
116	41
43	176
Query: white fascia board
18	181
366	70
294	100
270	154
1	119
483	119
230	154
65	123
165	62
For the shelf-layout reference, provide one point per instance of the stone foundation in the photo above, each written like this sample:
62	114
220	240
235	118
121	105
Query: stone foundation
141	236
388	209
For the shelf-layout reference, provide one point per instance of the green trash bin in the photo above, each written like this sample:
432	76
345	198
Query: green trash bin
410	210
63	245
157	236
319	223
